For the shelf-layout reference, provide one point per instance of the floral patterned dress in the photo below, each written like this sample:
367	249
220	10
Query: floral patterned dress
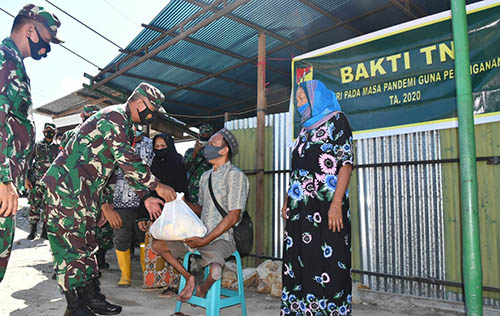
317	261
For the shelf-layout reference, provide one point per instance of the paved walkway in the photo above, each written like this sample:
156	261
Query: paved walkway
28	290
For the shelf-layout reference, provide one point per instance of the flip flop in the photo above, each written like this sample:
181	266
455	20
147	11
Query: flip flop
168	293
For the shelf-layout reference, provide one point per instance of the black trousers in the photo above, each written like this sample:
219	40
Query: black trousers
129	230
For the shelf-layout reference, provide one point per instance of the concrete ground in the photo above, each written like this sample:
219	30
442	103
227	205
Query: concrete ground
28	290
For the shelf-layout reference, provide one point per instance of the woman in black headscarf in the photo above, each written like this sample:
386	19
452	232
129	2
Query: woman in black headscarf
168	168
167	164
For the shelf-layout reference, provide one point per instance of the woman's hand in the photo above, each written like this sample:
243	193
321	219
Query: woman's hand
335	222
143	225
112	216
283	210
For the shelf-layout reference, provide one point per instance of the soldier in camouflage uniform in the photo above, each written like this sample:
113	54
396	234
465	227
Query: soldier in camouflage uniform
45	152
195	163
80	177
88	111
32	31
104	234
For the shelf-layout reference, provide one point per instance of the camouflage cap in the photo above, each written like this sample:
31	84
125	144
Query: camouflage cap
153	94
90	109
206	129
49	20
49	126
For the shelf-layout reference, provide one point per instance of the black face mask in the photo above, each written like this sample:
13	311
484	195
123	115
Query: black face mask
36	47
49	134
146	116
161	152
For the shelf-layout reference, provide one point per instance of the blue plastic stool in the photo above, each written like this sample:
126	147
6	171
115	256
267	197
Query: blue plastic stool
213	301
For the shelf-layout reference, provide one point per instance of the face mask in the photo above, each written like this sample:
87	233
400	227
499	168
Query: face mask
161	152
36	47
146	116
138	133
49	134
212	152
304	111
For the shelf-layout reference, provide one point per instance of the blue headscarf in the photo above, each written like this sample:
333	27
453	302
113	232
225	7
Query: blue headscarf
321	104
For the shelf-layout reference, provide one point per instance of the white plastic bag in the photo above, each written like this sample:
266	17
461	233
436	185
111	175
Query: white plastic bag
177	222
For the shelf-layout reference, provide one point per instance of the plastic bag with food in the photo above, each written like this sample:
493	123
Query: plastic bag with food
177	222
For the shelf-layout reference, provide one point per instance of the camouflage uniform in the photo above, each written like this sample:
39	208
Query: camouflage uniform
196	166
88	111
17	134
43	156
104	234
80	177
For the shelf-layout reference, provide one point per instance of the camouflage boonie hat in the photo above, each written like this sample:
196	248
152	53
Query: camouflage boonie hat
90	109
40	15
206	129
153	94
50	126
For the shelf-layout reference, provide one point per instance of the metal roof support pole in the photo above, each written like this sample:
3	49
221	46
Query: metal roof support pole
472	272
260	156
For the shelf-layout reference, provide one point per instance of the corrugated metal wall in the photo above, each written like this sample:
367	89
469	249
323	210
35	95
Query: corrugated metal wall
405	218
400	211
245	131
277	158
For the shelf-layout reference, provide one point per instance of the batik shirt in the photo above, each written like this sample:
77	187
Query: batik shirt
230	186
17	131
125	196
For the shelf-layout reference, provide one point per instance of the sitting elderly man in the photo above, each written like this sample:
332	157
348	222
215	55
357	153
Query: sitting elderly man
230	188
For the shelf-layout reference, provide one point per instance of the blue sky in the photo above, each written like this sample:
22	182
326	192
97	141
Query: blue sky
62	72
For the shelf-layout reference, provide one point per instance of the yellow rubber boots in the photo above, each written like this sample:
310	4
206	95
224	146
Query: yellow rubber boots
124	263
142	247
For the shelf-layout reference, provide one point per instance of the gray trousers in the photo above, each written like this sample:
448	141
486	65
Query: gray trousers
215	252
129	231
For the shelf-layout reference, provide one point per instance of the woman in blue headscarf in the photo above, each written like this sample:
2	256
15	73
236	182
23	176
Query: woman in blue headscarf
316	255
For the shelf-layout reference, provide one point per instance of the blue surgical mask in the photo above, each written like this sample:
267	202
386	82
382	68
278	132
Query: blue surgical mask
304	111
212	152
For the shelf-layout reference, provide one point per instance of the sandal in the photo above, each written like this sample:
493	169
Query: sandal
168	292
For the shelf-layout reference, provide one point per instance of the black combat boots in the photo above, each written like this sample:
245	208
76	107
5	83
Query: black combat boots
43	234
76	305
96	301
32	234
101	259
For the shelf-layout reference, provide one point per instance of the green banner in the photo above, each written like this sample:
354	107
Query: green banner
405	74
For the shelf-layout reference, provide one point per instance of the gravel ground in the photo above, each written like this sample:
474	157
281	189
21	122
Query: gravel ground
28	290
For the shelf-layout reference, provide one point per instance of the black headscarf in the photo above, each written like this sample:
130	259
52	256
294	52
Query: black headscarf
167	165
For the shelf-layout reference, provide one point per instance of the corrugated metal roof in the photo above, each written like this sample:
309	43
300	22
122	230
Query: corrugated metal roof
74	101
213	70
